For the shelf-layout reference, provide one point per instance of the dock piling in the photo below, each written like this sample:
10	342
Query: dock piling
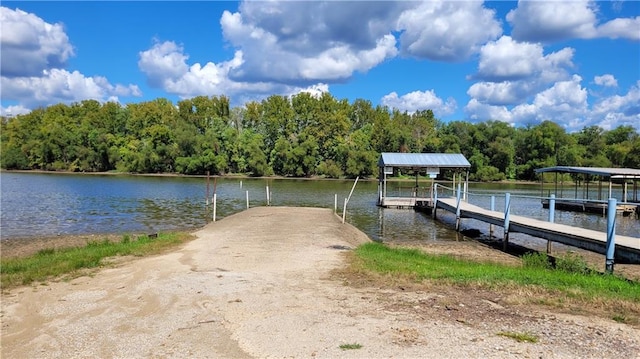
611	235
435	201
552	208
493	208
507	213
214	202
344	210
458	197
552	216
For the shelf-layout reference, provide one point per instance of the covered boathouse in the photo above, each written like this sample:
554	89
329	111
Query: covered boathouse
417	163
592	200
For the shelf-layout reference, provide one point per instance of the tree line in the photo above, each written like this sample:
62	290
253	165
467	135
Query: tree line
297	136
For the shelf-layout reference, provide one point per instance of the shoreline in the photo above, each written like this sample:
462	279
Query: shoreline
244	176
313	178
473	249
242	290
26	246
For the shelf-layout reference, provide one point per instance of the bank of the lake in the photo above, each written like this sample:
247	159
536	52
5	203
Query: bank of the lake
55	208
216	295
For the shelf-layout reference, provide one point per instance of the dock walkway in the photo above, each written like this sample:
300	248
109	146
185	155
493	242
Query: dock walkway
627	248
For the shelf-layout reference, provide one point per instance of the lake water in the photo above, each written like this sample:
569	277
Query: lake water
49	204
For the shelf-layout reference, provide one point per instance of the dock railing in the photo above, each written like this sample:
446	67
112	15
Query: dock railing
441	191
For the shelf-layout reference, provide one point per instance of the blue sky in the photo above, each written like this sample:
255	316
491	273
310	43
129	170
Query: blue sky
576	63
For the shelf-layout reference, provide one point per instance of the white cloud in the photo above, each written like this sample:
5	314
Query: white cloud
446	30
56	85
566	103
164	61
618	110
30	45
418	101
506	59
499	93
340	62
563	97
478	111
628	28
606	80
301	43
315	90
34	54
513	71
559	20
165	66
14	110
283	47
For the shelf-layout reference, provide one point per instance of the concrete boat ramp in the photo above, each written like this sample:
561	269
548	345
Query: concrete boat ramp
258	284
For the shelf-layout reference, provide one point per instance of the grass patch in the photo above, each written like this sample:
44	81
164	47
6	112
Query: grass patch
622	318
54	263
520	337
350	346
535	279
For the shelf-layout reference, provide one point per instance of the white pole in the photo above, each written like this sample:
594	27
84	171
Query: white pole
335	203
214	205
344	210
247	199
267	195
352	188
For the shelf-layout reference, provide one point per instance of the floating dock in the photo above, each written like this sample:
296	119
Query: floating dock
591	207
627	249
406	202
628	198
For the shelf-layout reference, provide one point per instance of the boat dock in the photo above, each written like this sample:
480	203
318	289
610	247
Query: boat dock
627	249
623	249
622	177
406	202
597	207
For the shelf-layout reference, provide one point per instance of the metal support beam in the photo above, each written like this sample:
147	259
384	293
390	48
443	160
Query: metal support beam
611	234
507	213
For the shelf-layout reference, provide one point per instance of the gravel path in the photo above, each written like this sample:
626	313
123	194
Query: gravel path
259	284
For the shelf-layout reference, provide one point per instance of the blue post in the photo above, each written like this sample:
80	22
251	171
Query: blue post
611	234
458	196
435	200
493	208
507	211
552	208
552	216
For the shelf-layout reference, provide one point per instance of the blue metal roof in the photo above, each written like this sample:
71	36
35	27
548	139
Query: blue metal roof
598	171
414	160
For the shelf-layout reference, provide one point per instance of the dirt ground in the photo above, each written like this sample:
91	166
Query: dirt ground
267	283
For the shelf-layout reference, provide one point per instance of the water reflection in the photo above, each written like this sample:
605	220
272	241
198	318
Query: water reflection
36	204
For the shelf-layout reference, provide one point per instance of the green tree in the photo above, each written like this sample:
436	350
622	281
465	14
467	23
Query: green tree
538	147
361	159
632	159
254	159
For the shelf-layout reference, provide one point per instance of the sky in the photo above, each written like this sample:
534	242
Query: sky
573	62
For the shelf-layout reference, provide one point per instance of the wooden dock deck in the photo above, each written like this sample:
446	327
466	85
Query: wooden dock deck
627	249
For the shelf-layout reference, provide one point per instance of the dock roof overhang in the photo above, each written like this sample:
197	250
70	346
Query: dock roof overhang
423	160
596	171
